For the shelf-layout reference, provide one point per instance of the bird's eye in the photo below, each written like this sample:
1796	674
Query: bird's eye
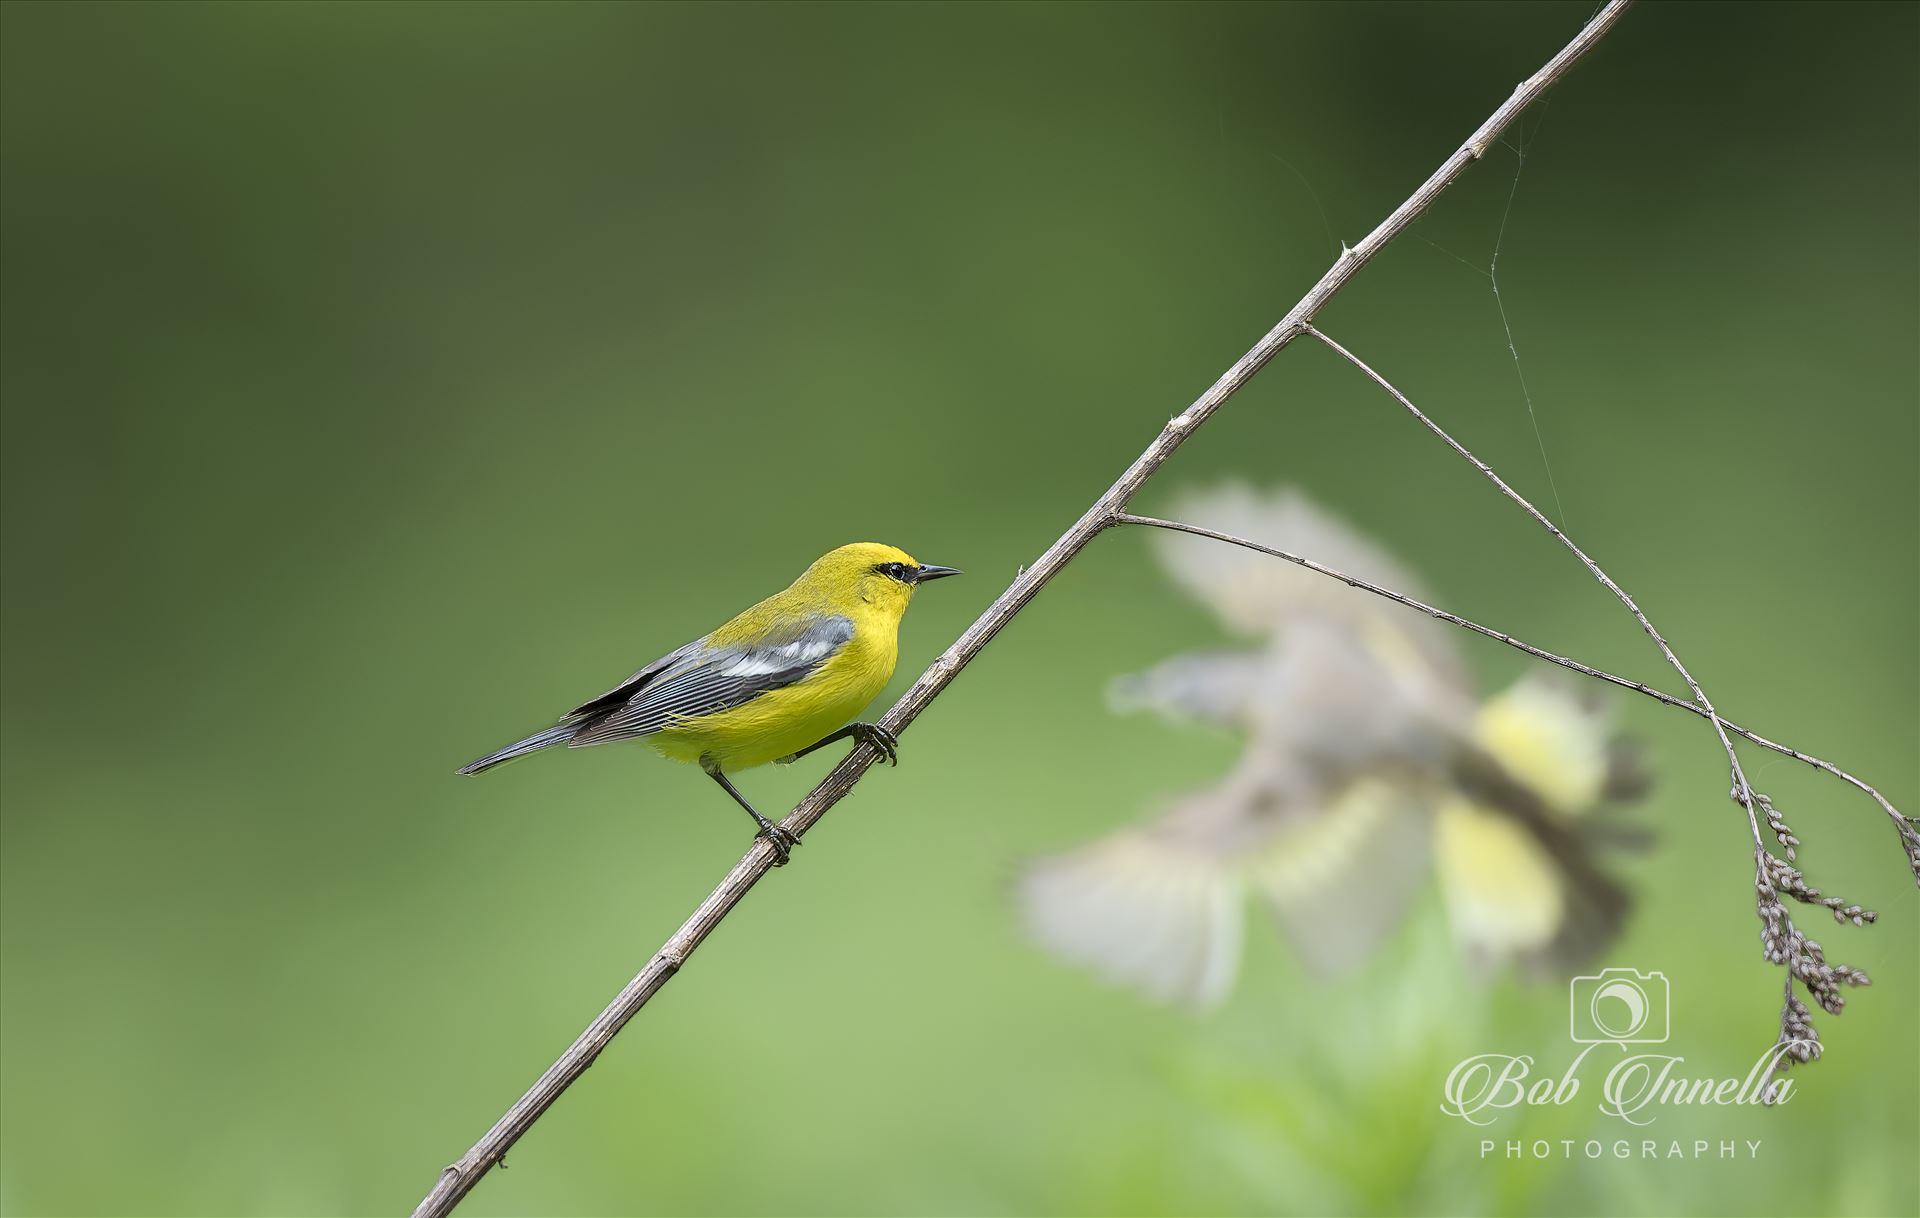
893	570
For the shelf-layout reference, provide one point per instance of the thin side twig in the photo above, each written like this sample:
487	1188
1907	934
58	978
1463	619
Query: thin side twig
1501	636
1742	793
1782	941
459	1177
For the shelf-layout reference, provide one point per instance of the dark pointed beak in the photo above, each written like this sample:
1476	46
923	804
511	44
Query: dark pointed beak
927	571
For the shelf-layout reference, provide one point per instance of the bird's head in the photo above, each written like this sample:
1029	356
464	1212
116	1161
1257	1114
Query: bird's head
870	573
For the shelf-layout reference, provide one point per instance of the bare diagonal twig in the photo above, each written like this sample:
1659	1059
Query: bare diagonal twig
1700	706
1501	636
459	1177
1742	793
1783	942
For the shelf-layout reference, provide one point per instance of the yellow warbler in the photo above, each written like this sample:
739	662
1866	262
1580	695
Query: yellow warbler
777	682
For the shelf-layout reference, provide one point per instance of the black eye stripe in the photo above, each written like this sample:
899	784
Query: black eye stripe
892	570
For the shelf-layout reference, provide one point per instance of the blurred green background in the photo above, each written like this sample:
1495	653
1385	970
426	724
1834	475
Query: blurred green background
382	379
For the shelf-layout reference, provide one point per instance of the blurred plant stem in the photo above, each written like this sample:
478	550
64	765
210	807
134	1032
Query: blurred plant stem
459	1178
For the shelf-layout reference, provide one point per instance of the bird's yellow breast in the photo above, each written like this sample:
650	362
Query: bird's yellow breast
781	722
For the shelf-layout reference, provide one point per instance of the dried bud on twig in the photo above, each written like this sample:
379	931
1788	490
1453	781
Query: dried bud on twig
1783	943
1775	822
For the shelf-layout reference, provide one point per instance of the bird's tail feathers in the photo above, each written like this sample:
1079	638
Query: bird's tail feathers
520	748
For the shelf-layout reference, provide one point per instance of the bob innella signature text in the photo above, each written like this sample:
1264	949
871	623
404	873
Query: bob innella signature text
1479	1088
1593	1148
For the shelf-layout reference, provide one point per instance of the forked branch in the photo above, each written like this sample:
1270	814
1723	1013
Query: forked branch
1539	653
1742	793
459	1178
1782	941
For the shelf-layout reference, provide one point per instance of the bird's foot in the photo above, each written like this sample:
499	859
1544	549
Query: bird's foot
879	739
783	842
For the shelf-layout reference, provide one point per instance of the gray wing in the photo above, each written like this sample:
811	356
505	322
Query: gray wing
700	679
624	692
